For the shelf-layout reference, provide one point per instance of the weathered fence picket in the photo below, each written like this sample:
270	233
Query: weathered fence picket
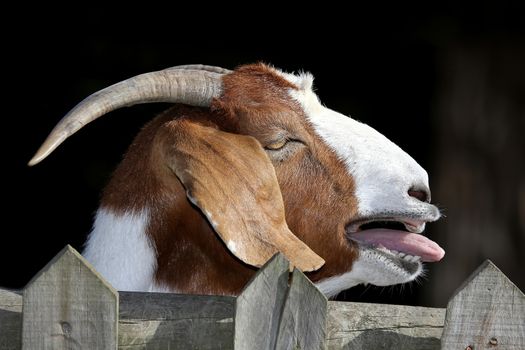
68	306
10	319
487	311
303	318
259	307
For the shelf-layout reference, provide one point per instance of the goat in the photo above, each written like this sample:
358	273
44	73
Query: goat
199	199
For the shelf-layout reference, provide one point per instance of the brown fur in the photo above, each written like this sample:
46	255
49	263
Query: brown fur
317	191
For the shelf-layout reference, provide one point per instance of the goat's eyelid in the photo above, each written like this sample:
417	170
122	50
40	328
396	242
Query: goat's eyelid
277	145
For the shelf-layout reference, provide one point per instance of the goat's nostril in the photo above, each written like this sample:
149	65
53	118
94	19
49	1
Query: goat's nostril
419	194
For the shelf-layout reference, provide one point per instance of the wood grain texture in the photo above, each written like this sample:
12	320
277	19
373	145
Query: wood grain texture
303	319
382	326
487	311
10	319
172	321
67	305
258	308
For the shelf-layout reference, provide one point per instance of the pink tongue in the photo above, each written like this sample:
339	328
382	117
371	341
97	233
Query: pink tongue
405	242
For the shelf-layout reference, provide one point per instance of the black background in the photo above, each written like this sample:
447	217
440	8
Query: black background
378	65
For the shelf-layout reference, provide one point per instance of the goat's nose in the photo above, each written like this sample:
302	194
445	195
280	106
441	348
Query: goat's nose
420	193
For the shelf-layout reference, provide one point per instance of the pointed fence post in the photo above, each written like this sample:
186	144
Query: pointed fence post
10	319
68	305
258	308
486	312
303	321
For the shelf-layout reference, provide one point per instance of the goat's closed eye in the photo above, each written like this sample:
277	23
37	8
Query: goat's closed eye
277	145
283	149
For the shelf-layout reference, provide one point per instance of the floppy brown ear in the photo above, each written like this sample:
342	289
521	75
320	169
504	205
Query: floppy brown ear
231	179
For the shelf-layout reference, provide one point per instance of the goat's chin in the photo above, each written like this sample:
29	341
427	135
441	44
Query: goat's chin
383	267
377	266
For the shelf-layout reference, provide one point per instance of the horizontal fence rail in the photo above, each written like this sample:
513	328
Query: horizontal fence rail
68	305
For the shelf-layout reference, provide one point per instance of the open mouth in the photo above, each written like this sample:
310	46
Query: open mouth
398	238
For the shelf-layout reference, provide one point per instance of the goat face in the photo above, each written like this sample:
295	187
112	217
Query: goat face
352	196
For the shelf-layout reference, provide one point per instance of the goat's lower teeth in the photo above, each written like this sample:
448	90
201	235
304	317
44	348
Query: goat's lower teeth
409	258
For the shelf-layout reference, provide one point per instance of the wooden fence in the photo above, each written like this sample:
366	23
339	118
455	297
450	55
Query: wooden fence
68	305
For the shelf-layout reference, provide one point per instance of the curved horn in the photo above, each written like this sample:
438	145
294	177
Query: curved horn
213	69
190	85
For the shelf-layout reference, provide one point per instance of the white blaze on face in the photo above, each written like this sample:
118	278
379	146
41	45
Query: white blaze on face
382	172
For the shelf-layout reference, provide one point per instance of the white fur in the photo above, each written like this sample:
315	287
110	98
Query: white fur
120	250
371	159
232	246
209	216
374	267
383	174
161	288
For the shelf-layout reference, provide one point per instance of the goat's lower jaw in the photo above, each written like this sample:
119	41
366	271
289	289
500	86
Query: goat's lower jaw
389	267
377	266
